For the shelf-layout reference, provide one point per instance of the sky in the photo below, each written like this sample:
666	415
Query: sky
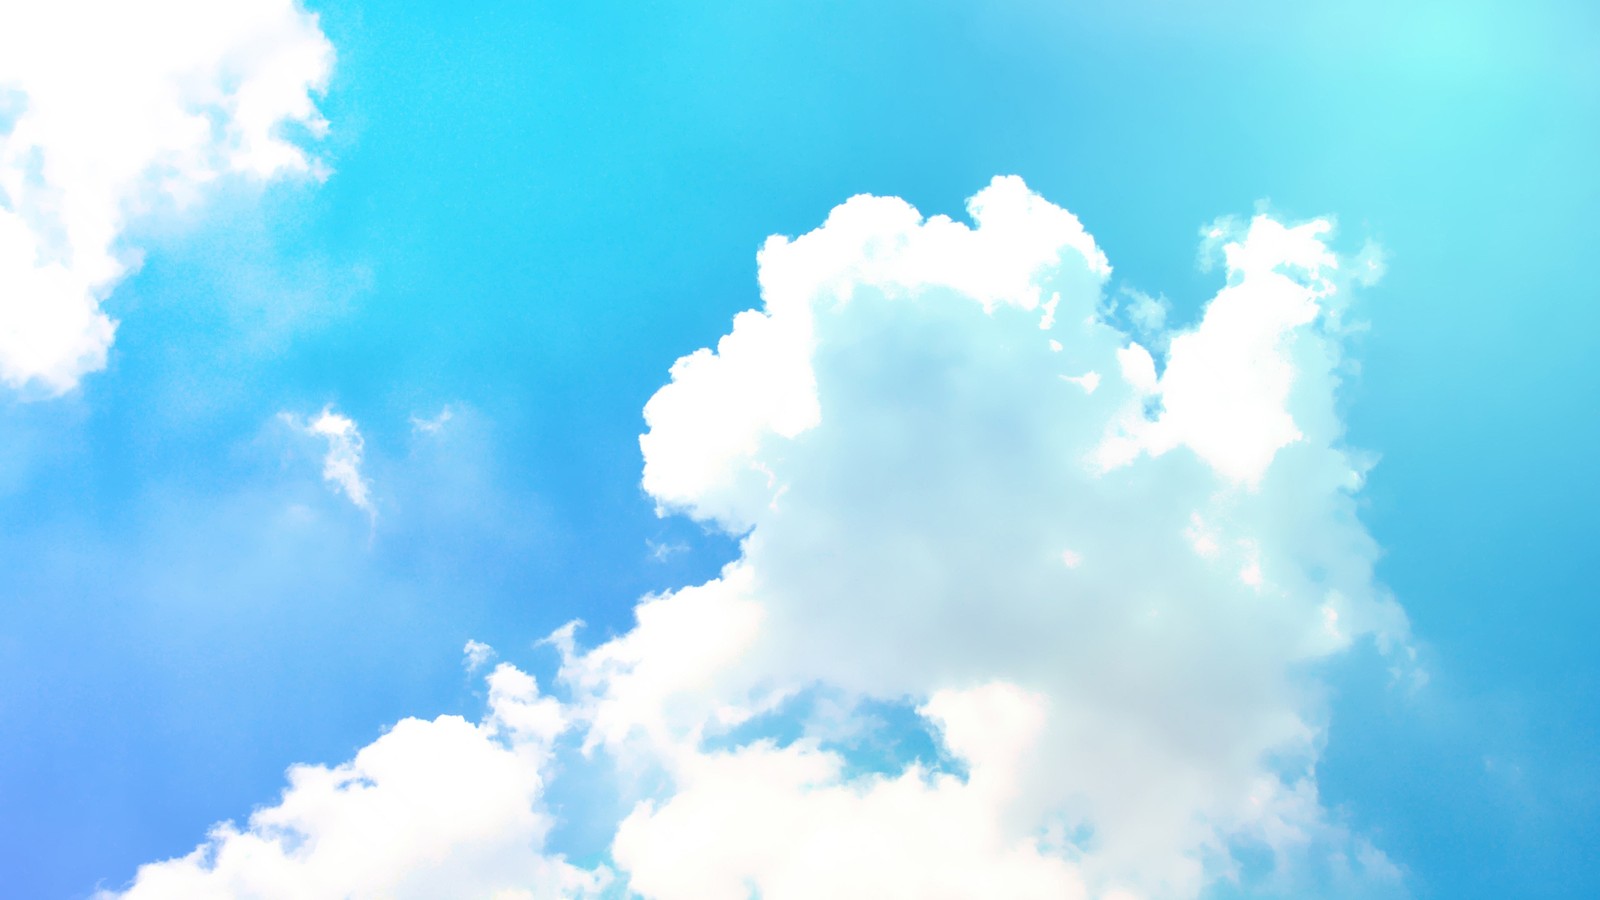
695	450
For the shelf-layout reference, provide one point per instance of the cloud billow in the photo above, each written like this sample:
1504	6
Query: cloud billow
1105	584
109	110
445	808
938	500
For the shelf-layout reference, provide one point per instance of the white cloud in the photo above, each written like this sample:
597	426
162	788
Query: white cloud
1116	652
787	823
121	108
431	809
711	426
341	466
899	448
476	654
1226	389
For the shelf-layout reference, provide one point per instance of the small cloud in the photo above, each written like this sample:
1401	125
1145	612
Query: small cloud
1088	381
1375	863
420	425
341	467
1048	319
1406	672
1371	263
476	654
661	550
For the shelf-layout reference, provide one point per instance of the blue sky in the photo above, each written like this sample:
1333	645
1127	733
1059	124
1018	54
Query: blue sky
529	211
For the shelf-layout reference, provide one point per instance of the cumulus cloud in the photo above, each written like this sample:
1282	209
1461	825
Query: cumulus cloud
701	454
341	465
1225	391
109	110
933	500
433	809
1101	587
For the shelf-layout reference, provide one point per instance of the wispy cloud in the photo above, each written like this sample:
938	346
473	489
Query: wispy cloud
661	551
476	654
433	425
341	464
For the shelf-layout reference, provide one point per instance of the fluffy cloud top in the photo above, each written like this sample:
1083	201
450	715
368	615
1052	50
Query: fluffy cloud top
432	809
108	109
957	471
1101	580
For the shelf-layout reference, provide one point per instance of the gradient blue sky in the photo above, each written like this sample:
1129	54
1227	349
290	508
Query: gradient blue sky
535	208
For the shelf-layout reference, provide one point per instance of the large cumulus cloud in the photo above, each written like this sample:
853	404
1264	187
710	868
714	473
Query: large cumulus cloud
1098	572
956	472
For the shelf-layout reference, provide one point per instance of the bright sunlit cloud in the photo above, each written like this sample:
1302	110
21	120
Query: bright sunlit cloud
441	808
110	111
1105	604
